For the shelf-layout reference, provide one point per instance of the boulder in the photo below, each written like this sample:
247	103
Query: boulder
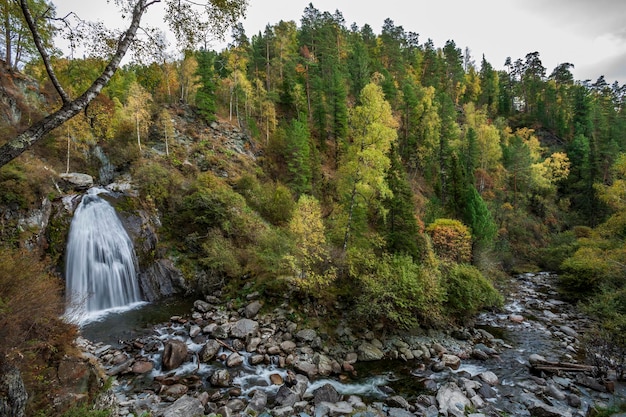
252	309
451	400
369	352
234	359
141	367
286	397
489	377
244	328
326	393
174	354
184	406
453	361
77	180
221	378
306	335
209	351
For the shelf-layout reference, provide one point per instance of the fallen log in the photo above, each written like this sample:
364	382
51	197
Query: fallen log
558	367
564	368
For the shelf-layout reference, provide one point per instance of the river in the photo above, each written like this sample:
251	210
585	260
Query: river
534	321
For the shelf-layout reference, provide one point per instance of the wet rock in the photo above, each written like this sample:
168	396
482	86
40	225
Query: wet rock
487	392
257	404
276	379
554	392
536	359
286	411
574	400
221	378
234	359
174	354
194	331
174	391
479	354
236	405
398	402
224	411
540	409
209	351
451	400
142	367
326	393
569	331
161	279
489	378
453	361
306	367
121	368
286	397
516	318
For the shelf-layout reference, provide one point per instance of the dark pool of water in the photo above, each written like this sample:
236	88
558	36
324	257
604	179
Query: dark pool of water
117	327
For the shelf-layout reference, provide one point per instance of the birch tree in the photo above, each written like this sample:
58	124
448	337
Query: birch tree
189	20
366	161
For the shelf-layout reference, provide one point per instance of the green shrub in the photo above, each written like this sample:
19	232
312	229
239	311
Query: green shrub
451	240
468	291
157	182
396	290
584	272
562	246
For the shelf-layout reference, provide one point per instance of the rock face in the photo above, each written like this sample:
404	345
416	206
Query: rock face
13	395
161	279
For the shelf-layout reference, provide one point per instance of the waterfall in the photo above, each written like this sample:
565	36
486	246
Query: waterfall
100	262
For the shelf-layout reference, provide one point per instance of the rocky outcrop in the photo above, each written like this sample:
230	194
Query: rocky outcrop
13	395
161	279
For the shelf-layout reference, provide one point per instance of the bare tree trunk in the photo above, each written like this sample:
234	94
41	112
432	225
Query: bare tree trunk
7	35
67	167
138	135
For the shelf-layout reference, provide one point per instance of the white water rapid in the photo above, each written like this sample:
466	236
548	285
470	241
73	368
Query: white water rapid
100	262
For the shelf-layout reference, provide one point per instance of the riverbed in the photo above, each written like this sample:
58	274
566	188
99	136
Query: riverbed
417	375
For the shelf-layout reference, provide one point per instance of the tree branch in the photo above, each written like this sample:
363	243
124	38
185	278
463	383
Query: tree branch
24	140
42	51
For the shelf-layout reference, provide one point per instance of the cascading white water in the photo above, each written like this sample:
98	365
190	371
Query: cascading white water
100	261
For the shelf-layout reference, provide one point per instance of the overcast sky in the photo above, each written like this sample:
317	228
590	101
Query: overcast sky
591	34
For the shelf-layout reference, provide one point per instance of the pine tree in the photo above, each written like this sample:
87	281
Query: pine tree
205	96
401	230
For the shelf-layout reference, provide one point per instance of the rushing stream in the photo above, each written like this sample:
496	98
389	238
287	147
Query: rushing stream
533	322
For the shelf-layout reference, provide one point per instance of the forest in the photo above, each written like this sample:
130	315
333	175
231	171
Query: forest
406	179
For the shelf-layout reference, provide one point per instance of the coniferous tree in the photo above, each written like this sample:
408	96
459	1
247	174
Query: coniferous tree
207	86
401	229
299	156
